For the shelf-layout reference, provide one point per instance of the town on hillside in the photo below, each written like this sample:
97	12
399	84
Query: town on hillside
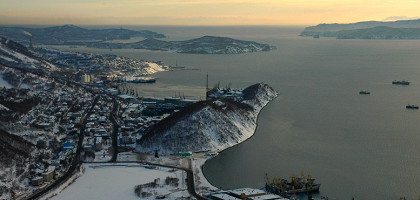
70	108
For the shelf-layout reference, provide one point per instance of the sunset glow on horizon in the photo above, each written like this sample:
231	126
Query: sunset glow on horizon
203	12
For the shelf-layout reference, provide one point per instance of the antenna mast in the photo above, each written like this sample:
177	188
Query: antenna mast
207	84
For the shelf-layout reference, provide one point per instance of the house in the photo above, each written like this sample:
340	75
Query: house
37	181
125	138
68	146
98	142
49	175
185	154
55	163
45	125
88	147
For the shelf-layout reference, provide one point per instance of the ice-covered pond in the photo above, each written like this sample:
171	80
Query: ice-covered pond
118	181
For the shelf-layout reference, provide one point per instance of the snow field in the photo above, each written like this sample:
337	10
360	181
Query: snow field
117	181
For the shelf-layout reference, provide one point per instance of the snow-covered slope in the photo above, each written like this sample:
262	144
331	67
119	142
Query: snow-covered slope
17	55
209	125
151	68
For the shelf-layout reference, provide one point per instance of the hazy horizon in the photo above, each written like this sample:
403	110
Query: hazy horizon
203	12
181	25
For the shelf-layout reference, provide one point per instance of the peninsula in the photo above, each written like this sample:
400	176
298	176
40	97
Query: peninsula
211	125
397	30
71	35
202	45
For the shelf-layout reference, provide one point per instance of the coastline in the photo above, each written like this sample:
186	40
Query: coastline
201	164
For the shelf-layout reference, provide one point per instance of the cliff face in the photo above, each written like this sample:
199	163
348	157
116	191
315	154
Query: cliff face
209	125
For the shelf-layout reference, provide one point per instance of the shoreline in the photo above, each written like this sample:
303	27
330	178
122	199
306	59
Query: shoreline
201	172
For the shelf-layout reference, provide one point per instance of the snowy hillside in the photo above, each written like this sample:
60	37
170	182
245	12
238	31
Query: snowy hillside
71	34
151	68
209	125
17	55
202	45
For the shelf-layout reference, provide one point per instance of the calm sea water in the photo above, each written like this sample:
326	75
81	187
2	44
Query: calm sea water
367	147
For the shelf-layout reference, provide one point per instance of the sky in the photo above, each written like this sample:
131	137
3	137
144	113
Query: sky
203	12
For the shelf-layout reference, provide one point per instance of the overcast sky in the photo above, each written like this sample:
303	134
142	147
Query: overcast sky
203	12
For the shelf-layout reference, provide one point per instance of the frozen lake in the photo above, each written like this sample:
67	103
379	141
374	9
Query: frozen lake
115	182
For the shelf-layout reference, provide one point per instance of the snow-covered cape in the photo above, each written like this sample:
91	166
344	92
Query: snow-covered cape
211	125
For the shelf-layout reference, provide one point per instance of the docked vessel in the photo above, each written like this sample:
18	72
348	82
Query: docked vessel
141	79
176	66
412	107
400	82
285	188
364	92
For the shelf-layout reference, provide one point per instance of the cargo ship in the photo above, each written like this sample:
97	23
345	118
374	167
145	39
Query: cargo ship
285	188
364	92
400	82
412	107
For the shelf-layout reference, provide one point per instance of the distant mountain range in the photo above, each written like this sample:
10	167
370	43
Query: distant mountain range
70	34
100	38
402	29
202	45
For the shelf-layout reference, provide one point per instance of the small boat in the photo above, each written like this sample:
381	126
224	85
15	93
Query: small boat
412	107
400	82
364	92
176	66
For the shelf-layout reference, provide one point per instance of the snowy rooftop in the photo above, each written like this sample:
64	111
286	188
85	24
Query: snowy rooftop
267	196
235	194
247	191
124	96
224	197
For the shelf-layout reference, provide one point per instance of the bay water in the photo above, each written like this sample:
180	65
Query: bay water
361	146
